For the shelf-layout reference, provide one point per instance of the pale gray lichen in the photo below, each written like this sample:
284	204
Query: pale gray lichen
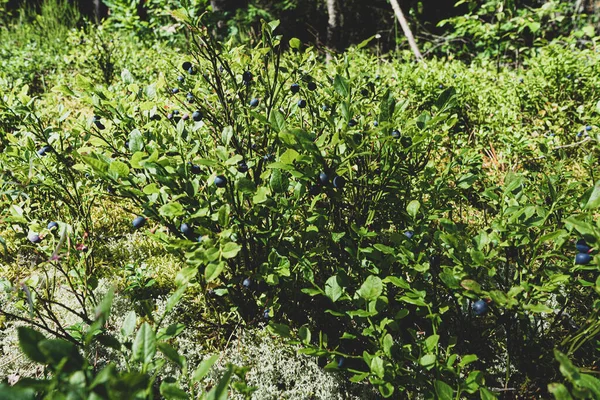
278	371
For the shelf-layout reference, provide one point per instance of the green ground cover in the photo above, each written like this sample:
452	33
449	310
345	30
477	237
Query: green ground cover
383	227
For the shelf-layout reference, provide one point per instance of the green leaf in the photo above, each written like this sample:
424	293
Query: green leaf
29	340
559	391
226	135
129	324
386	390
261	195
431	342
136	141
96	164
594	200
16	393
396	281
446	99
341	86
333	290
219	392
230	250
279	182
64	89
427	360
486	394
468	359
144	345
304	334
277	121
57	350
387	106
591	383
377	367
279	329
171	210
365	42
246	186
273	25
471	285
443	390
204	367
537	308
413	208
213	270
172	391
295	43
171	353
371	289
422	120
119	168
567	368
384	249
174	299
223	215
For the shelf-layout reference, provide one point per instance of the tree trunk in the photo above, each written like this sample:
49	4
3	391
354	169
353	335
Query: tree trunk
100	10
406	29
333	28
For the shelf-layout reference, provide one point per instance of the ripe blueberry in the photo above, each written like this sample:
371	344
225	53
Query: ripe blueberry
295	88
34	238
583	259
375	123
220	181
197	116
323	178
352	123
588	128
195	169
312	86
341	362
242	167
191	71
409	234
180	78
185	229
186	65
266	314
138	222
480	307
247	282
339	182
582	246
52	224
254	102
175	90
302	103
396	134
247	76
190	97
42	152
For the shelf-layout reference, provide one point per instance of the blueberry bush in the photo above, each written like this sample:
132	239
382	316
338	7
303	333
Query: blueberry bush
424	230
